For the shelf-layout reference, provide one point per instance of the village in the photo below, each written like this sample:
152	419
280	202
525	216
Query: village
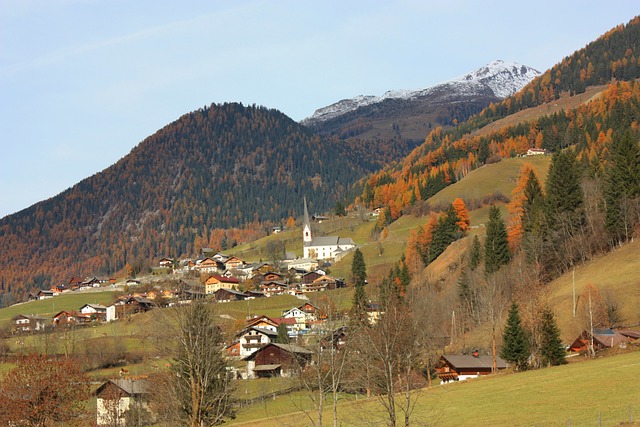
265	346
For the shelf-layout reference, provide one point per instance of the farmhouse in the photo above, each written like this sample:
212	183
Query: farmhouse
603	338
116	397
25	323
276	359
325	247
464	366
252	338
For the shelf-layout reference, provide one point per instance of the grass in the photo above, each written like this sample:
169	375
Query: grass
579	392
49	307
489	179
617	276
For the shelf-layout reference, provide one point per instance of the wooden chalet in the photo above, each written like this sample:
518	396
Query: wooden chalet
276	359
70	317
252	338
58	289
264	322
310	277
233	262
227	295
274	287
602	339
166	262
209	265
95	311
29	323
464	366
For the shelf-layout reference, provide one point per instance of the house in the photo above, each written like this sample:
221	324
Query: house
263	322
310	277
276	359
226	295
464	366
58	289
252	338
323	283
296	321
208	265
303	265
132	304
336	340
41	294
96	311
216	282
602	338
537	152
26	323
274	287
70	317
325	247
233	263
166	262
251	294
115	397
75	282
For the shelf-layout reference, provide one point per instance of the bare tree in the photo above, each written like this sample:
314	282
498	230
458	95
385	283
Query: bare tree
199	388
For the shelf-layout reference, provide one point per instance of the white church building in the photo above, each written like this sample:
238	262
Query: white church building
324	247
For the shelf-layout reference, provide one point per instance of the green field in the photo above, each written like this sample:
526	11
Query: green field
49	307
577	394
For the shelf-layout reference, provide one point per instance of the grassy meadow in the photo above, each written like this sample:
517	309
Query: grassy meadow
575	394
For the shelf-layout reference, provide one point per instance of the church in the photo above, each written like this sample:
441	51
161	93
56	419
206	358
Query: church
324	247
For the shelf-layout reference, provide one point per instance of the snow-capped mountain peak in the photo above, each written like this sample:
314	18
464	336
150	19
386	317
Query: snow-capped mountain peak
502	78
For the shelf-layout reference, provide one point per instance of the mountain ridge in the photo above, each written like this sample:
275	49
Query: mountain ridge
502	78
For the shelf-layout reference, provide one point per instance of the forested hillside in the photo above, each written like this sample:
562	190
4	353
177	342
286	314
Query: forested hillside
216	176
588	205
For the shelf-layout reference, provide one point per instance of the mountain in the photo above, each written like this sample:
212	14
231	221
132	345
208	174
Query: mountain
411	113
222	167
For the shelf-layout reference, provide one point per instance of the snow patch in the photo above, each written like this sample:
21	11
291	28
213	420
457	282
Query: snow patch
503	78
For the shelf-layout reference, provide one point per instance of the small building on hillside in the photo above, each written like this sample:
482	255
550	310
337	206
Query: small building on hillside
460	367
253	338
603	338
95	311
29	323
115	397
276	359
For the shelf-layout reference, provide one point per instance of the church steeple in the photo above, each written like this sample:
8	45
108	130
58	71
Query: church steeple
306	225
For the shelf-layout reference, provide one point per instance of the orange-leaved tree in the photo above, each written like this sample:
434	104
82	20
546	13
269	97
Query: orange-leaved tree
42	390
463	214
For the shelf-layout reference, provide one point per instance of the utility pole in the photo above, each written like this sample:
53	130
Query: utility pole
574	292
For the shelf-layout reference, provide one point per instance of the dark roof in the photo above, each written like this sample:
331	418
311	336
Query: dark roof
130	387
466	361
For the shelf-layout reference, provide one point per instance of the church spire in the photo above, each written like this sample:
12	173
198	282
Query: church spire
306	225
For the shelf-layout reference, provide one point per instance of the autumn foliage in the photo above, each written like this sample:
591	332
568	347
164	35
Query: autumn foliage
42	390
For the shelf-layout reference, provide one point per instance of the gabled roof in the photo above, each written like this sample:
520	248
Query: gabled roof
130	387
290	348
466	361
97	307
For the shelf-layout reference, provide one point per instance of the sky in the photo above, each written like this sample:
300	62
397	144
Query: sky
82	82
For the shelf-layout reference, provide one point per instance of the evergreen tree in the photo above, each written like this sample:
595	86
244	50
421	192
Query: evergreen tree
496	245
564	194
622	191
533	201
446	232
283	334
515	347
551	349
358	268
475	253
339	209
359	306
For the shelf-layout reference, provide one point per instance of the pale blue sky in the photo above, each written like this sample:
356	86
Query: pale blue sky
82	81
